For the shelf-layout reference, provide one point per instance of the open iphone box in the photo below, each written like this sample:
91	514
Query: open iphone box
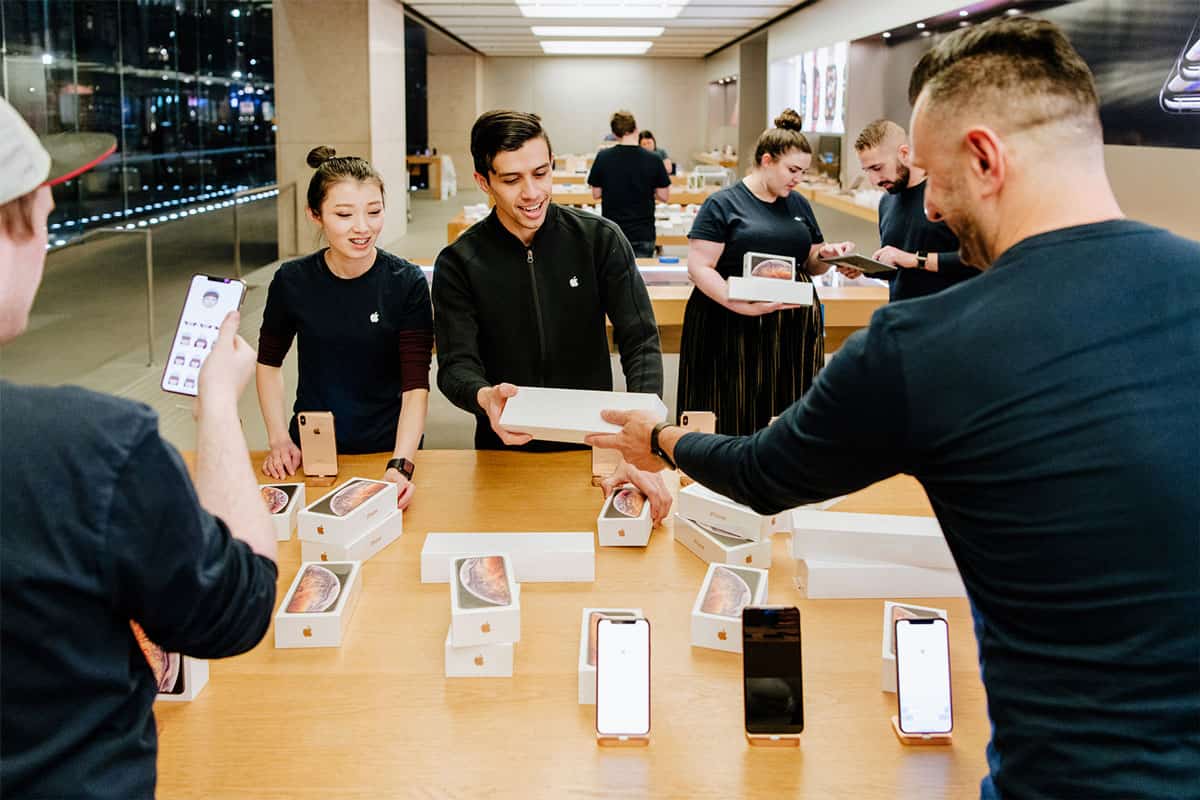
715	547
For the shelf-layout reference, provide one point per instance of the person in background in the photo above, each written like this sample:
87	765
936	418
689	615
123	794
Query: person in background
522	296
925	252
1052	420
647	141
364	323
103	527
746	361
627	180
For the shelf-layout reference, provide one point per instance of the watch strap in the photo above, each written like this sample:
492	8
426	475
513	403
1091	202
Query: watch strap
403	466
922	257
656	448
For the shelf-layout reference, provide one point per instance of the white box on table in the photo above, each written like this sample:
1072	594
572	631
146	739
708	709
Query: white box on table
485	601
341	516
568	415
716	548
717	613
587	649
193	676
887	669
480	660
369	543
701	504
284	501
771	290
873	538
824	580
311	628
534	557
624	520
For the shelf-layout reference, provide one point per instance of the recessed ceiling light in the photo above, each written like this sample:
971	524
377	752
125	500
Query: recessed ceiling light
920	26
602	9
1012	12
963	13
595	30
887	34
578	48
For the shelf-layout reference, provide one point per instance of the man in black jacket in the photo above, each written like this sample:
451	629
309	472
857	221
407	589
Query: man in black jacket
521	297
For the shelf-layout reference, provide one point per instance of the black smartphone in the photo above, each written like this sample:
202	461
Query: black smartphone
773	685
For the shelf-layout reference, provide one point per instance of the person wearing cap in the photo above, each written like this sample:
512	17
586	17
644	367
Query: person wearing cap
104	535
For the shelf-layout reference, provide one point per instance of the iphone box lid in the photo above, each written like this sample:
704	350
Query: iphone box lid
485	600
717	511
717	613
535	557
587	651
193	676
715	548
872	538
283	519
369	544
615	528
479	661
771	290
312	628
887	668
568	415
825	580
344	513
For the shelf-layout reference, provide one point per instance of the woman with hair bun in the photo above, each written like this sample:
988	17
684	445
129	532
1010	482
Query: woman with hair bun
363	322
747	361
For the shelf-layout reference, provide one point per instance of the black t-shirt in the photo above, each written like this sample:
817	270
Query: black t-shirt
903	224
1051	410
101	526
349	334
743	223
628	175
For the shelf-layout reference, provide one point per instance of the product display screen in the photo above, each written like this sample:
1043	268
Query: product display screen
923	675
623	678
771	669
208	301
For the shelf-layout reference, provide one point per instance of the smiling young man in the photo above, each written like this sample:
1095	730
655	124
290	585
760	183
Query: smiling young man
521	297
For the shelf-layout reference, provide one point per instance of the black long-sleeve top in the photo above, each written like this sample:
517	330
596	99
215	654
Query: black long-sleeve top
903	224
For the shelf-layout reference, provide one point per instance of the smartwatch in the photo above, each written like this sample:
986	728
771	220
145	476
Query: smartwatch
922	257
656	449
403	466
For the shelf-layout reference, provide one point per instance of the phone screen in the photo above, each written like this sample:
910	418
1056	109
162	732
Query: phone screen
771	674
623	677
923	675
208	300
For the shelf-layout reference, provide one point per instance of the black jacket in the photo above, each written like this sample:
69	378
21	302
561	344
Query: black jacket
535	316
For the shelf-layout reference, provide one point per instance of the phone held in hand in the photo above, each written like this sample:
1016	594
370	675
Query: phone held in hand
209	299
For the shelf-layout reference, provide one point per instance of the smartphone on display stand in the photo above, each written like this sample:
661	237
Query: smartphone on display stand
318	445
1181	89
923	677
623	680
207	302
772	677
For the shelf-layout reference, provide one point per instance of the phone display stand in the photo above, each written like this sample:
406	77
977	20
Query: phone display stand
773	740
320	480
622	741
918	739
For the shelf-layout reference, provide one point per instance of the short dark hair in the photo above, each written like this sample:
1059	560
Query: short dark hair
644	135
783	138
498	132
622	123
331	168
1025	68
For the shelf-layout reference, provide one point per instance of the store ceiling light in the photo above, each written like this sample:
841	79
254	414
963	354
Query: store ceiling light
963	13
577	48
602	9
48	59
1012	12
887	34
595	30
920	26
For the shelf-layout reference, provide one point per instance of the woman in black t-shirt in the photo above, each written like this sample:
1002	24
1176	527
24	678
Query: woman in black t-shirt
364	325
747	361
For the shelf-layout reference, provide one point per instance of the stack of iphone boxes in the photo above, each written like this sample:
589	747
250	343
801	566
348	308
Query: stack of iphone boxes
852	555
485	617
337	534
735	541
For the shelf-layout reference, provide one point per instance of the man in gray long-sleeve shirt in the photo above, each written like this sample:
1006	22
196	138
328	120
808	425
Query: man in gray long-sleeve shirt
1050	409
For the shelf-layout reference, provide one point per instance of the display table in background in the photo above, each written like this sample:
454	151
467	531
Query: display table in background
375	718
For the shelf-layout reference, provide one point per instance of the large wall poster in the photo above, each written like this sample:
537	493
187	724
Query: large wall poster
813	83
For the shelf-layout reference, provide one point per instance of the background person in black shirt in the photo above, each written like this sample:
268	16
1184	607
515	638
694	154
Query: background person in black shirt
925	251
627	179
365	327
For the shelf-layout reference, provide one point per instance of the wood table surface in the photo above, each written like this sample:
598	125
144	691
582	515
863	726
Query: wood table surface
376	718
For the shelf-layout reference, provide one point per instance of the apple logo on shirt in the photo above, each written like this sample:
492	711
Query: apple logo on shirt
574	282
374	316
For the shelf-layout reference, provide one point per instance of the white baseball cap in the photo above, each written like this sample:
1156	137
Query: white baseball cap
27	161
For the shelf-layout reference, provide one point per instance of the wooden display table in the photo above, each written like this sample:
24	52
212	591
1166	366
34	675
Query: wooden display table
435	172
715	160
375	718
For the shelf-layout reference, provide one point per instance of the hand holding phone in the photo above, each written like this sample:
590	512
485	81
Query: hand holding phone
205	310
230	363
623	678
923	676
772	675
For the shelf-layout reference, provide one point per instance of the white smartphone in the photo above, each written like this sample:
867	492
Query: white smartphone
208	300
923	676
623	678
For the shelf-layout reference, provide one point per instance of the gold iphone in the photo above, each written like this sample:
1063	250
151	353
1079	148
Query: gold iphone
318	445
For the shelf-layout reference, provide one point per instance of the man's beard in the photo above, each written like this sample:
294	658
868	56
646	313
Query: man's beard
972	248
901	182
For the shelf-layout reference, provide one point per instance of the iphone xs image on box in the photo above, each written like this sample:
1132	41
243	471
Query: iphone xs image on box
208	300
623	678
923	676
773	685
